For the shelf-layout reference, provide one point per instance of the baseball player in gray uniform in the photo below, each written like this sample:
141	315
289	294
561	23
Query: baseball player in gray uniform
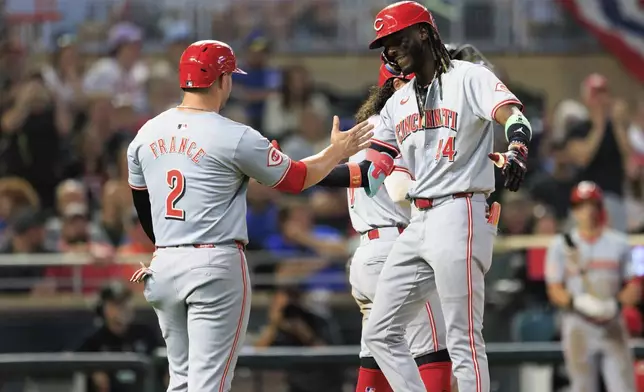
380	220
441	122
189	169
589	275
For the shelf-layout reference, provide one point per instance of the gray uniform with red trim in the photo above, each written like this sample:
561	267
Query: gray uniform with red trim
196	168
590	347
379	221
448	248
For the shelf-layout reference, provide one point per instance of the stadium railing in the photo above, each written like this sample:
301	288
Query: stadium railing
503	245
24	365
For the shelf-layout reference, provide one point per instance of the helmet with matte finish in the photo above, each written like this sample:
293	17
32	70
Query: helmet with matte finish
399	16
203	62
387	72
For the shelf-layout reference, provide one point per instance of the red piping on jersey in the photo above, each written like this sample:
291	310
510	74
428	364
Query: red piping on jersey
138	188
432	325
470	296
293	179
240	322
506	102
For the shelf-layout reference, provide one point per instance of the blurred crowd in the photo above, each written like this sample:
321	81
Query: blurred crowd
66	120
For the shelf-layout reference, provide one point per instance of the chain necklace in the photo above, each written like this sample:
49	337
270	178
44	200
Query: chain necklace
194	108
421	99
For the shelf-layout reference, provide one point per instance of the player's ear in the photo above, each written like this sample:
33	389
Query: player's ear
423	32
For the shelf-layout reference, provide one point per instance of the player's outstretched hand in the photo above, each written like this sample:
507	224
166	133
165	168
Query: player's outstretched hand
355	139
513	165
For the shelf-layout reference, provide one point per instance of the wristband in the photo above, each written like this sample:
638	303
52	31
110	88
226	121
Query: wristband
518	129
355	175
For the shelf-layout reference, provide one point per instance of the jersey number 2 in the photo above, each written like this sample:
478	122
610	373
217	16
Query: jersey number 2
177	183
446	149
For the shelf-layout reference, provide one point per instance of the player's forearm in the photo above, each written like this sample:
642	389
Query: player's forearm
320	165
141	200
631	293
559	296
517	126
347	175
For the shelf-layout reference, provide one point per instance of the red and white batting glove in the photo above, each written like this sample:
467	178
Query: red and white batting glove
513	164
141	274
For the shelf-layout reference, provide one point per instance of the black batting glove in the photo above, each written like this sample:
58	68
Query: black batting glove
513	164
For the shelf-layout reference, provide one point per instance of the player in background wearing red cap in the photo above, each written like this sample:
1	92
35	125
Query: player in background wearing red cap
589	275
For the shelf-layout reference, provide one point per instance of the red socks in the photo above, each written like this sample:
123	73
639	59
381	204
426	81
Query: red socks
372	380
437	376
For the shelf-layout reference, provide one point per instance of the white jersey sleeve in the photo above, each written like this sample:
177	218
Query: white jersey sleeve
384	131
256	157
135	172
555	261
486	93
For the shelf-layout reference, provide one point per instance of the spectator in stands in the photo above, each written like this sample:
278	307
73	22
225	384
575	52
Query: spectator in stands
12	61
64	75
261	80
284	110
309	139
117	201
312	254
76	240
123	72
553	187
88	157
262	214
71	192
27	236
117	333
292	323
516	214
600	148
31	132
135	241
15	195
635	172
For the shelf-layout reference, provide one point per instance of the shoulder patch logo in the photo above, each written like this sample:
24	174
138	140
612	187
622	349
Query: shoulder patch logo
501	88
275	157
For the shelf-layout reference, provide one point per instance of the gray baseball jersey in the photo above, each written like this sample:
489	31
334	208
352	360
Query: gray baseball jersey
196	168
607	264
446	249
367	212
447	147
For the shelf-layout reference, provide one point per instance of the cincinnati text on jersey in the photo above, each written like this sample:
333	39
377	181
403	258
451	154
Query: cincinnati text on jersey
433	118
185	147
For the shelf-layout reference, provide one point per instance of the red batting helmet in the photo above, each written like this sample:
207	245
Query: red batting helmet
203	62
589	191
387	72
399	16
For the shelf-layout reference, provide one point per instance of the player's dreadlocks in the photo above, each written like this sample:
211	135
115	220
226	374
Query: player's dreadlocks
377	99
442	59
